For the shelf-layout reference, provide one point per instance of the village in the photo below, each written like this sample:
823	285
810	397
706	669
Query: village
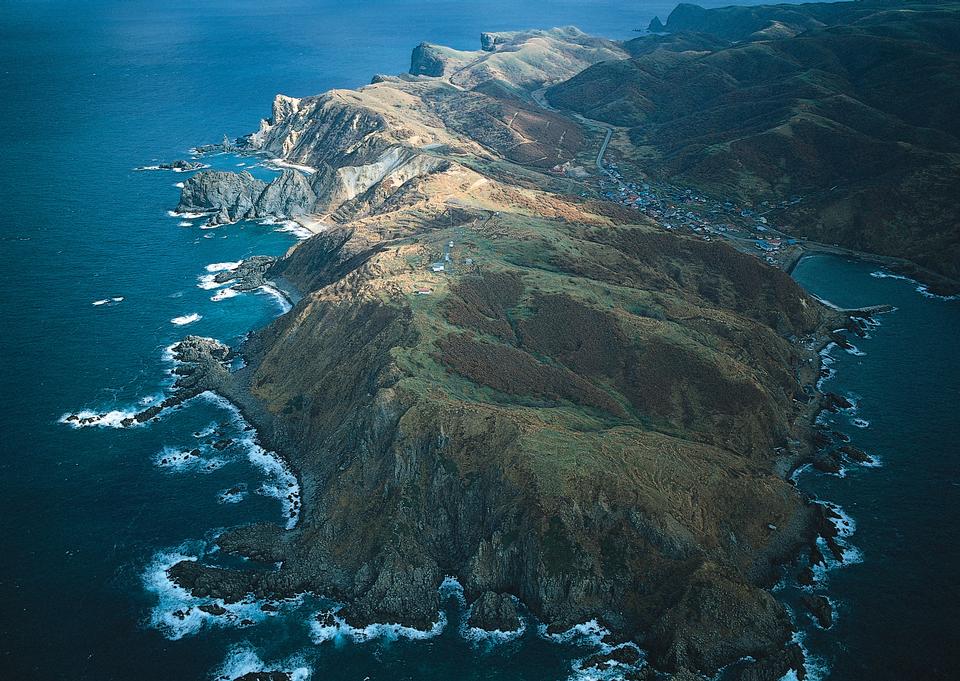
678	209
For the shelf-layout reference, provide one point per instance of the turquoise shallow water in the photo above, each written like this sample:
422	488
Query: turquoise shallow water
92	91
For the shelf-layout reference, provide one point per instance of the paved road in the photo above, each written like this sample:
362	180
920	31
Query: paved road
603	150
540	98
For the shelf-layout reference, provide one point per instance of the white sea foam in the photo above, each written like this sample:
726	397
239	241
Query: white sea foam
187	215
340	630
117	299
208	282
288	226
208	226
815	667
243	659
223	266
223	294
586	633
925	292
186	319
178	185
614	672
922	289
181	460
233	495
184	223
831	373
860	423
800	469
590	634
108	419
846	526
281	299
280	482
103	301
177	613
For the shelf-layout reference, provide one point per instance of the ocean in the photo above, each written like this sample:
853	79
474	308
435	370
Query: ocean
89	517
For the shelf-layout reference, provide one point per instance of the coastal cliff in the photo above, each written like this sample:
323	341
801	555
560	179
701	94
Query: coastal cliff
492	378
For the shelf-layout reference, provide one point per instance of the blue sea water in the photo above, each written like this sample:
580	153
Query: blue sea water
897	602
93	90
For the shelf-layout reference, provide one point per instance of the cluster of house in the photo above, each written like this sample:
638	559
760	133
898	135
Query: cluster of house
676	208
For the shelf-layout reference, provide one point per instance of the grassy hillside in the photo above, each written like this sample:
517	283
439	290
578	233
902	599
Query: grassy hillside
852	106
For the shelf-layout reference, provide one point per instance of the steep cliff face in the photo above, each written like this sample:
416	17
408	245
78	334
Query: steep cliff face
368	148
524	59
240	196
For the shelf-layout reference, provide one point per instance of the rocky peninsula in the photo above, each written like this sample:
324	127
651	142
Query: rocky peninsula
496	375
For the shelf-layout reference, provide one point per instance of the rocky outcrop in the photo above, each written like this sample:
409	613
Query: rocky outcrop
213	190
181	166
328	130
427	60
820	608
494	612
240	196
489	41
288	196
625	655
250	274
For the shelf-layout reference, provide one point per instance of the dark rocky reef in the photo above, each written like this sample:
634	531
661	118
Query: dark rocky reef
265	676
250	274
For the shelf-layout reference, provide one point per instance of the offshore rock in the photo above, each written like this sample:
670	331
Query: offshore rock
820	608
856	454
218	189
181	166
